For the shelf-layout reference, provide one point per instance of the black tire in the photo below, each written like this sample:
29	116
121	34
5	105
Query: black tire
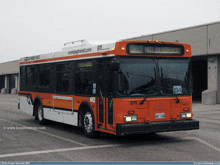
88	124
39	115
151	133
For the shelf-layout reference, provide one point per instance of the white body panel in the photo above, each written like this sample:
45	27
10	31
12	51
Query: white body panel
58	115
61	116
26	105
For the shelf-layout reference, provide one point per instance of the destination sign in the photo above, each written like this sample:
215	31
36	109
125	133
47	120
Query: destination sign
154	49
167	50
31	58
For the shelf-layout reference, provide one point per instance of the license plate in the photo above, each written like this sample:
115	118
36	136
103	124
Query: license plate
159	115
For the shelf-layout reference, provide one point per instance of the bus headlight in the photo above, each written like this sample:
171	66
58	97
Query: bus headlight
131	118
186	115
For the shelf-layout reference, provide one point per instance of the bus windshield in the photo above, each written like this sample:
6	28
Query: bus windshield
153	77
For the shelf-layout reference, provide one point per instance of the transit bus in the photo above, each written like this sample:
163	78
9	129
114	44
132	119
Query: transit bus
123	88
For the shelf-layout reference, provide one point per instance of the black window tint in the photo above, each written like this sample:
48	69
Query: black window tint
44	76
84	78
63	67
31	76
66	82
63	77
63	82
59	82
23	78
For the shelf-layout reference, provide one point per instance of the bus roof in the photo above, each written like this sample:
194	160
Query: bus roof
69	50
81	49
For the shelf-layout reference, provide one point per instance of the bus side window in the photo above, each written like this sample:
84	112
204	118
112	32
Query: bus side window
23	77
32	76
63	78
84	78
44	76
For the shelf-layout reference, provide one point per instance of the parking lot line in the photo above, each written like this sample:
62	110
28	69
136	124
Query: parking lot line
201	141
47	133
55	150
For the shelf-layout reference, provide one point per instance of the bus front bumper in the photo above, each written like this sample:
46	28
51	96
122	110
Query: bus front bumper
139	128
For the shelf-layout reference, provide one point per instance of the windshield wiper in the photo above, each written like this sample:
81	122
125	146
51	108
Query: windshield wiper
177	100
142	102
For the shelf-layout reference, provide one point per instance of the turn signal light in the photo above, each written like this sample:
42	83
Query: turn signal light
185	109
131	112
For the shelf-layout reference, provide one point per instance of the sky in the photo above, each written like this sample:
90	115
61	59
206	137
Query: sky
33	27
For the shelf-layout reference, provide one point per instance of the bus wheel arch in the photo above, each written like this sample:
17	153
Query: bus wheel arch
37	101
38	111
86	119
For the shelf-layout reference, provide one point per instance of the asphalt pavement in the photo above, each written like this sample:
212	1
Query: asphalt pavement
23	139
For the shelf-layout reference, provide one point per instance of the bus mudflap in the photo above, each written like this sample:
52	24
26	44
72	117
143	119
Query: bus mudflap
166	126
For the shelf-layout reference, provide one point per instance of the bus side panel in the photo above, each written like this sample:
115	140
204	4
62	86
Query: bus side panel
50	114
26	104
59	108
61	116
71	119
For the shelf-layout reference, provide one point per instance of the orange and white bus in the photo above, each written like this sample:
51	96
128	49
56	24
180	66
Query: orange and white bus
128	87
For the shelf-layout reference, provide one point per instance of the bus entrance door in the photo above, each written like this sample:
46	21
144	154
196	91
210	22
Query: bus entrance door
105	103
105	113
102	111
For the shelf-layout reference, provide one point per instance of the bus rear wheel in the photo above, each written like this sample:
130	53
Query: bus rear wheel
40	115
88	125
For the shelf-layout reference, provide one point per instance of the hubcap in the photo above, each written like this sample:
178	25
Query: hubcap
88	124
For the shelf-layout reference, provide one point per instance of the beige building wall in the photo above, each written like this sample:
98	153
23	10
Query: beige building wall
9	67
214	39
196	37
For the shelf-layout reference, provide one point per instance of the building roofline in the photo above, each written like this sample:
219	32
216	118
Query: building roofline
175	30
10	61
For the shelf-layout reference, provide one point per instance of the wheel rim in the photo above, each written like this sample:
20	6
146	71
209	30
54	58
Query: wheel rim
40	113
88	123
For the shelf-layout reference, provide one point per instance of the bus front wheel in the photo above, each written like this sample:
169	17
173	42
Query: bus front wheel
88	125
